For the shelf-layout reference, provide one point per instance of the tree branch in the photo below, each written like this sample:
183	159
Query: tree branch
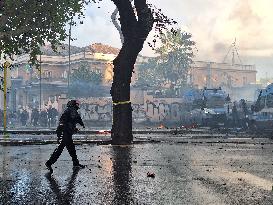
145	18
115	22
128	19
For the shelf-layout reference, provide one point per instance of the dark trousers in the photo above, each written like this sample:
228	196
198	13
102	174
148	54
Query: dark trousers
67	142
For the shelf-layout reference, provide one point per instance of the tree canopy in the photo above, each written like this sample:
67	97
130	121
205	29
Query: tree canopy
26	25
174	58
86	83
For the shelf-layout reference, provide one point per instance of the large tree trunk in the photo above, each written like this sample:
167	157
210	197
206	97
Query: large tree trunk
135	31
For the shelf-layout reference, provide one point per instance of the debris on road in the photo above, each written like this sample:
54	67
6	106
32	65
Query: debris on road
150	174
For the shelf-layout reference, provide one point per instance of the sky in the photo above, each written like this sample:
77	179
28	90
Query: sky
214	25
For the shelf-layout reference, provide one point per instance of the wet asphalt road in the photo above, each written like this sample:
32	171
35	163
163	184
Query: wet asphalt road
203	173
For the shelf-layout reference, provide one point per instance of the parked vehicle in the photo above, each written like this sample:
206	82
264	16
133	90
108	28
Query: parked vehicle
210	106
215	107
262	116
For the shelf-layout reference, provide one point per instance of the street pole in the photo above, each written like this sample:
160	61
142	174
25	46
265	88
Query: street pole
40	78
209	76
69	53
6	67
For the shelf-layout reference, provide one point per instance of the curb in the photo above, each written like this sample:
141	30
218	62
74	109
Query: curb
49	132
4	142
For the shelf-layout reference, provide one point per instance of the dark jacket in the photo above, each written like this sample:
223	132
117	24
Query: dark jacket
69	119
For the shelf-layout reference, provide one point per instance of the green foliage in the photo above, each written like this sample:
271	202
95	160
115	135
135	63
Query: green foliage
148	74
86	83
175	55
84	75
173	61
26	25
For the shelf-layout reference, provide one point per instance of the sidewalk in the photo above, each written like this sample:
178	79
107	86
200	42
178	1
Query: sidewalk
96	130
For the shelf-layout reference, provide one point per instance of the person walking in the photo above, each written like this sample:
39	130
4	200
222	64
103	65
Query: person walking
65	130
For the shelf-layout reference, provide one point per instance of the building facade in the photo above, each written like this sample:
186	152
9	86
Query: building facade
33	88
238	80
211	74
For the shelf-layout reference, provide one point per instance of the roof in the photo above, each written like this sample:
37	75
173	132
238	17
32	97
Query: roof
101	48
61	50
93	48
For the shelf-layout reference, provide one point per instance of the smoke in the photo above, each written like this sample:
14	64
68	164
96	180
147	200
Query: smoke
213	24
80	89
220	47
249	26
217	24
245	15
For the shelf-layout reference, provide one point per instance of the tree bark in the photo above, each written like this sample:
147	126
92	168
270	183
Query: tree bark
115	22
135	31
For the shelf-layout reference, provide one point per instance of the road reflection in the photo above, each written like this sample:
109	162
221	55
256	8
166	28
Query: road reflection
66	196
122	168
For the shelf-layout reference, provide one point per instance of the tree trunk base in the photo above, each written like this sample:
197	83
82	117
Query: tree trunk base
122	125
121	142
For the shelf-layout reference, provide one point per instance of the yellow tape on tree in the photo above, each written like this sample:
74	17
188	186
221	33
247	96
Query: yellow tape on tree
121	103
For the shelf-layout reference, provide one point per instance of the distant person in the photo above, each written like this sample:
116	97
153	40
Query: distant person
43	118
52	115
55	115
12	118
35	117
228	98
252	108
1	118
65	130
235	116
245	121
204	102
49	115
24	117
18	114
244	107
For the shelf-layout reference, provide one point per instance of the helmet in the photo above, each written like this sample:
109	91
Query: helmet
74	103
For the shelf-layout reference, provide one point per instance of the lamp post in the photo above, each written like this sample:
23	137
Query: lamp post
69	53
40	79
6	67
